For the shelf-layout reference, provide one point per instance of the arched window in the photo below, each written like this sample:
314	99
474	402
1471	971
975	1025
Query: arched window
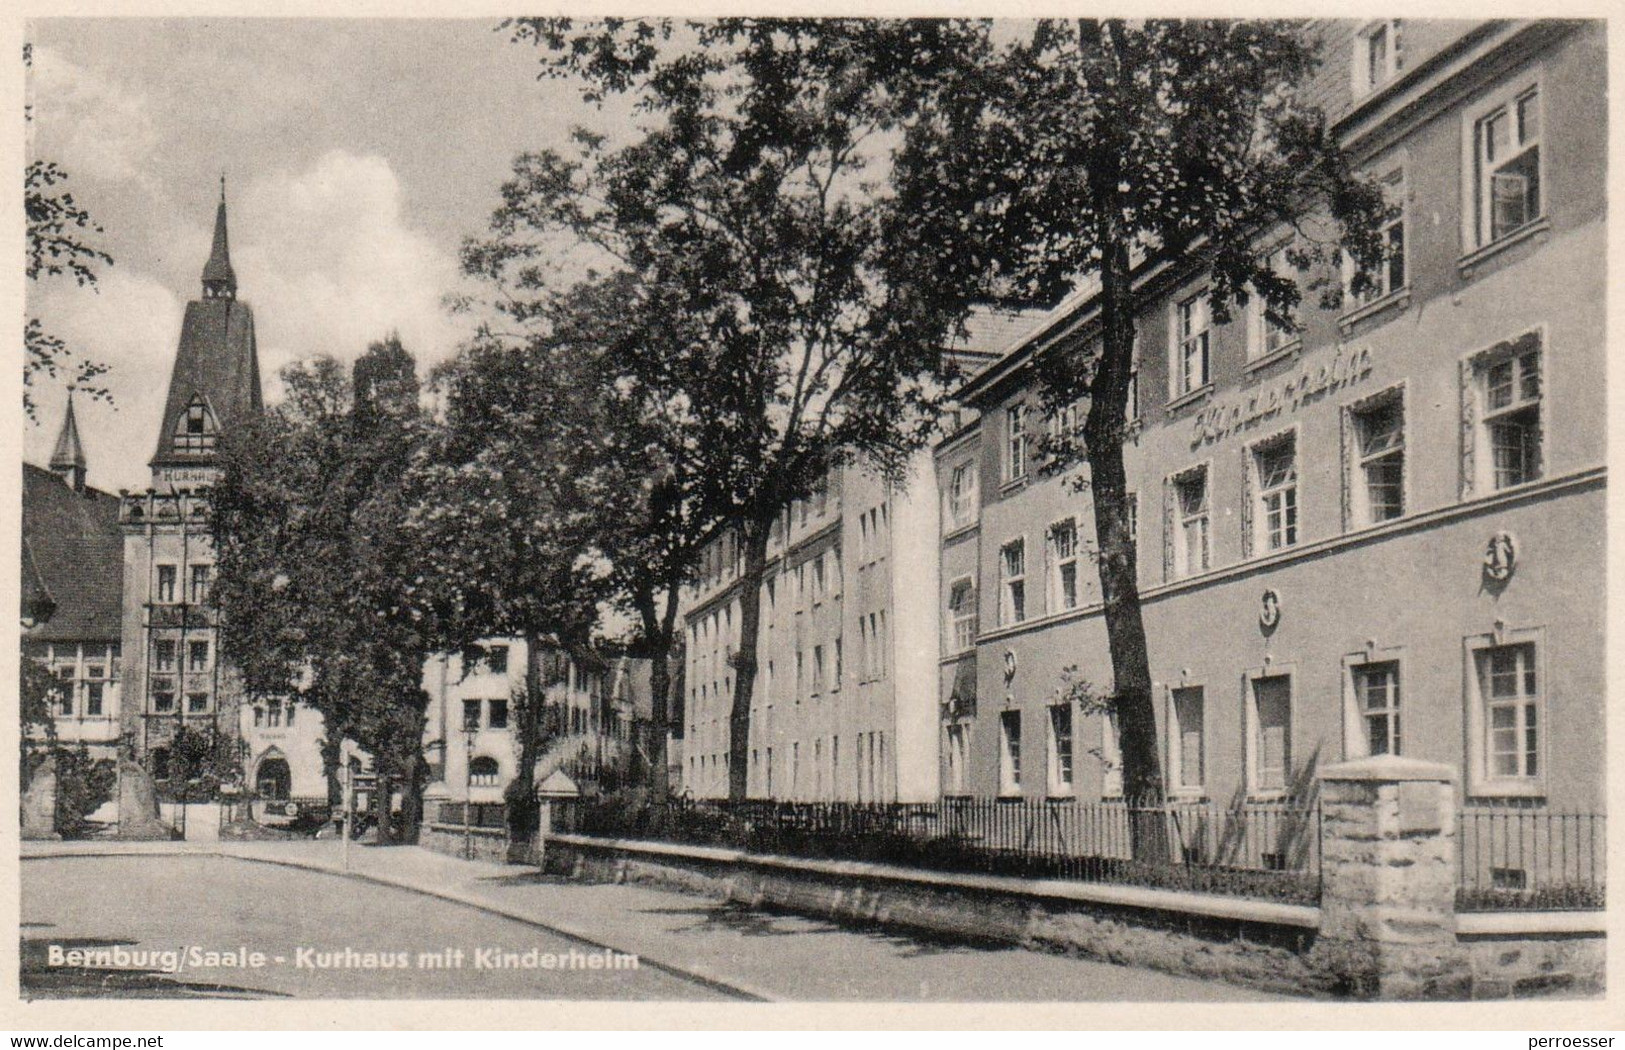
483	771
195	430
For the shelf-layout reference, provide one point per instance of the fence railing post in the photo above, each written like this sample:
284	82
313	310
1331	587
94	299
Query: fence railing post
1388	879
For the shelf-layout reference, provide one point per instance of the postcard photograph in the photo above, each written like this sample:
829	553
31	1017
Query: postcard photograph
802	510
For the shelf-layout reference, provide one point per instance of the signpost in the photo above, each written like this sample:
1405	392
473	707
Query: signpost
349	807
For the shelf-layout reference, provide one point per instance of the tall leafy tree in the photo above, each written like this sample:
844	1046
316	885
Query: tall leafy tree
1096	151
60	244
507	497
319	583
755	208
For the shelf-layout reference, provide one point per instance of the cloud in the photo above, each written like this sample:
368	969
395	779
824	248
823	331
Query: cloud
87	123
328	260
131	323
331	262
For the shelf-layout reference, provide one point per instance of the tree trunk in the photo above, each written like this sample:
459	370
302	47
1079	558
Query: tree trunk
754	537
523	811
658	630
1118	570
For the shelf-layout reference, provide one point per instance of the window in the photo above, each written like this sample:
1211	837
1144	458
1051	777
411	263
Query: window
955	780
1506	191
1191	523
1060	749
962	615
1378	56
471	715
1390	276
1510	689
1376	693
1378	492
1013	576
1015	458
163	655
93	698
1190	371
499	714
292	707
962	496
1063	565
166	583
1511	395
64	701
1276	468
1264	336
1111	757
496	659
1132	501
200	584
820	580
1186	736
1269	758
197	703
1009	752
259	716
483	771
273	716
163	701
195	430
818	669
801	674
835	683
197	656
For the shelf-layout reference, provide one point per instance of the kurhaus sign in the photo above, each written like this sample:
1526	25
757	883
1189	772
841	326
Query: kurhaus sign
1305	386
186	476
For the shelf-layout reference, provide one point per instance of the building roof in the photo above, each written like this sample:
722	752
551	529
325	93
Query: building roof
73	556
218	276
69	451
217	364
993	332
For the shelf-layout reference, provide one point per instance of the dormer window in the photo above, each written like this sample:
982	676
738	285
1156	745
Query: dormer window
195	430
1377	56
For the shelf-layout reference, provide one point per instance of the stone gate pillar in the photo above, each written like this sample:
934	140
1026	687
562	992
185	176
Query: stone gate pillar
1388	878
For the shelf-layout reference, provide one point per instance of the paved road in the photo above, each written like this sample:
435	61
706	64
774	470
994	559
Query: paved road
411	899
189	904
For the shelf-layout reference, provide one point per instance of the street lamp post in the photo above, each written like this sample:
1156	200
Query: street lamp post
468	789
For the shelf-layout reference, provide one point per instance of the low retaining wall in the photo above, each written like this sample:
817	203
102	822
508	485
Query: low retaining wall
1259	944
1523	953
1273	947
487	844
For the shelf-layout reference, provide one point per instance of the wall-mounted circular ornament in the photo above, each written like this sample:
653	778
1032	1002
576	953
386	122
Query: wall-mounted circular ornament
1009	666
1500	557
1269	610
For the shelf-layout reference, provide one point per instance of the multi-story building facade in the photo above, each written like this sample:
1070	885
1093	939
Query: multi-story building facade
1380	534
71	552
843	707
596	715
173	675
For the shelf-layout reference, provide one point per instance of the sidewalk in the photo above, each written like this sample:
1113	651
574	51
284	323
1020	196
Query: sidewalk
764	955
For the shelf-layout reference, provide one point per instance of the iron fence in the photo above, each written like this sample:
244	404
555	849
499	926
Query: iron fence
1261	850
479	814
1530	858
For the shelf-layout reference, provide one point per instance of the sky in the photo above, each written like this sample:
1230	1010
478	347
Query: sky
357	155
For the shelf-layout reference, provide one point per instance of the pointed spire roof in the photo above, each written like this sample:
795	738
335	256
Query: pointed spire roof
219	280
215	383
70	451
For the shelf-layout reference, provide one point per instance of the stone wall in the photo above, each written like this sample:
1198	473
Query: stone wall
1272	949
487	844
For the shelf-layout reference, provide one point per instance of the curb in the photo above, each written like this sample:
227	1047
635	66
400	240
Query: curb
692	974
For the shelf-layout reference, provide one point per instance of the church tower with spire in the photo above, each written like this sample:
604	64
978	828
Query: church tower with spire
175	681
68	458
